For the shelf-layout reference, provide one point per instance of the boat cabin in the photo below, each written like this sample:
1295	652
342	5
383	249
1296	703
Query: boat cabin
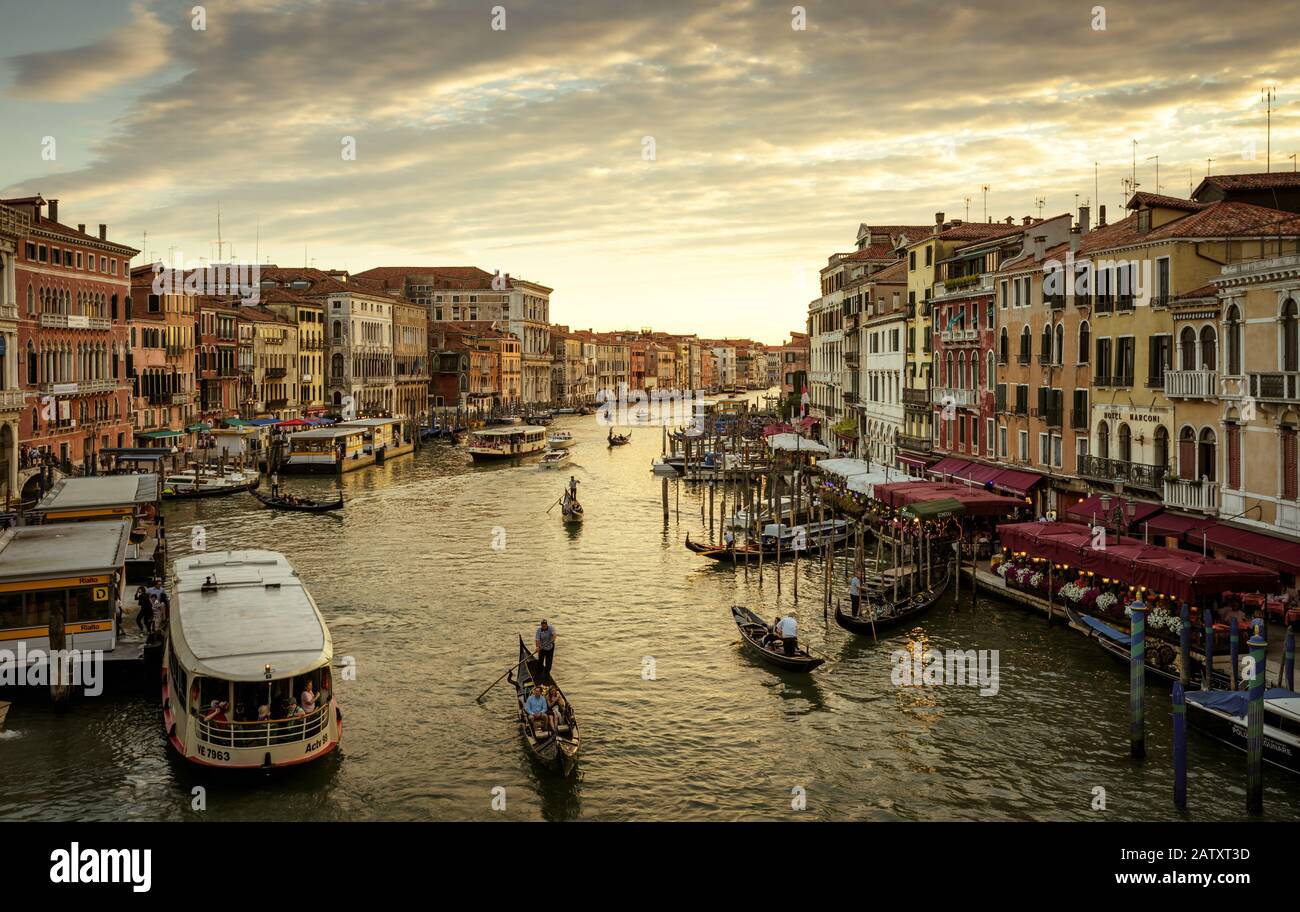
507	442
136	498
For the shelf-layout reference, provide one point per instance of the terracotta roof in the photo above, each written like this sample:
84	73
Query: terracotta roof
260	315
1223	219
1274	180
894	272
1155	200
46	224
1205	291
453	276
872	252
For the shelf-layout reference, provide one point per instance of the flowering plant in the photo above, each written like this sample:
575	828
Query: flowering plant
1106	601
1036	579
1072	591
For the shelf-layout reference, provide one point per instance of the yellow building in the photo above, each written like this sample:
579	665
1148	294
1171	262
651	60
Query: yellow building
309	317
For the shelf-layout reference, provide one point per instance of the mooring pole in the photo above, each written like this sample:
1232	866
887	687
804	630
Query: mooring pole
1255	729
1184	647
1137	682
1234	636
1180	744
1290	660
1207	673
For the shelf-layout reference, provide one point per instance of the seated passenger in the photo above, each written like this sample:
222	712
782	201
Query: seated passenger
263	713
536	708
308	698
216	712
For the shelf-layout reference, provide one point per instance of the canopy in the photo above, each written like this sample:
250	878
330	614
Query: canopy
293	422
263	422
1090	511
779	428
844	468
915	462
161	435
197	428
948	466
942	508
795	443
866	482
1235	702
1016	481
976	502
1256	547
237	422
1176	524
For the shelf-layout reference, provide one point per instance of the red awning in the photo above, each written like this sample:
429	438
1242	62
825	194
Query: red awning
1090	510
1254	547
292	422
1016	481
1176	524
915	462
979	473
948	466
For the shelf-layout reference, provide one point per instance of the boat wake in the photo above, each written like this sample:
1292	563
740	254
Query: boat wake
10	734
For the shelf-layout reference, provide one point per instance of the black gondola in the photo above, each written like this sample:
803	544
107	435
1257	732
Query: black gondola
754	632
301	504
555	748
888	613
1161	657
618	439
738	554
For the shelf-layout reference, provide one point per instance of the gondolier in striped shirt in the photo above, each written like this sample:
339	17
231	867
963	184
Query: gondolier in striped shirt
788	630
544	642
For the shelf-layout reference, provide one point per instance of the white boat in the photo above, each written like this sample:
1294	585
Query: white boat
209	481
507	442
560	440
245	642
664	469
806	537
1222	714
740	519
554	459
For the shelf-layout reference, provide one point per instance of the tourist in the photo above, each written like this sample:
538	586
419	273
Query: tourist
535	708
544	643
263	713
788	630
855	593
216	712
144	616
308	698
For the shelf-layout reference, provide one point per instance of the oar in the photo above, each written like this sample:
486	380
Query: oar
498	681
554	505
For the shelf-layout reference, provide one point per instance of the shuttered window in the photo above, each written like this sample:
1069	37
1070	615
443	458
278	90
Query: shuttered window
1289	480
1234	457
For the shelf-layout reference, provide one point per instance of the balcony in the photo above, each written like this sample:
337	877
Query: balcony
913	396
1051	416
963	398
78	387
1137	474
1192	384
957	336
915	444
850	398
853	360
182	398
1274	387
276	373
73	321
1188	494
12	399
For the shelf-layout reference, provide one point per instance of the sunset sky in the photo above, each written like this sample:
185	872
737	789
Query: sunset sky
523	149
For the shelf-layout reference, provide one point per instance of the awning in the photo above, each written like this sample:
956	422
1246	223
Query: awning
914	462
292	422
1254	547
1017	482
949	466
197	428
161	435
263	422
1091	510
942	508
1176	524
237	422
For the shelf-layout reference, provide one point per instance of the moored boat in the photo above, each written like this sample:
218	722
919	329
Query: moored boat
245	647
1222	714
555	746
207	481
1161	658
882	613
757	636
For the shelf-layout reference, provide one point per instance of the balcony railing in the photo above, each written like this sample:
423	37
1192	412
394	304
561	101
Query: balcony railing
78	387
852	359
850	397
276	373
915	444
1192	384
1189	494
959	335
916	396
182	398
964	398
1277	387
73	321
1137	474
12	399
1050	416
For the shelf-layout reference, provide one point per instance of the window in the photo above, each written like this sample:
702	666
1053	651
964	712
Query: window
1290	337
1125	443
1085	343
1206	455
1003	345
1026	345
1158	360
1044	450
1024	446
1162	282
1002	441
1290	476
1022	399
911	266
1209	348
1124	353
1079	410
1003	295
1187	453
1187	349
1234	340
929	255
988	436
1058	353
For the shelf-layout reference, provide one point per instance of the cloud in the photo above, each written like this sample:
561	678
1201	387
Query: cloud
74	74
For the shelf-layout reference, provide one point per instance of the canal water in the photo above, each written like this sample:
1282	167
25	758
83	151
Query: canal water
436	565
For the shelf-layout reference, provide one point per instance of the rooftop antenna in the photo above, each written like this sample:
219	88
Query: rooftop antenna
1040	202
1157	158
1292	156
1135	164
1268	93
984	188
1208	162
220	244
968	204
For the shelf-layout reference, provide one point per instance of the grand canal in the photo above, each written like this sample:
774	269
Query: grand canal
436	565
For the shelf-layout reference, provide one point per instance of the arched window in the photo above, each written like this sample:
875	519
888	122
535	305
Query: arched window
1160	447
1004	345
1290	470
1125	444
990	375
949	379
336	365
1085	342
1059	351
1046	348
1103	440
1209	348
1187	453
1187	349
31	299
1290	337
1026	345
1205	455
961	371
1234	340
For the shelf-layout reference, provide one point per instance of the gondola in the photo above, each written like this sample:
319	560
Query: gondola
558	749
1161	657
570	509
303	505
753	630
619	439
740	553
886	613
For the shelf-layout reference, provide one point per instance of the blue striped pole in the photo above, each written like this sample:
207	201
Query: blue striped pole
1180	747
1255	730
1207	676
1290	659
1234	650
1185	645
1137	681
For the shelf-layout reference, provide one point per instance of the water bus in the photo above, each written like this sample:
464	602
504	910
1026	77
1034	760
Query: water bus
346	446
507	442
115	497
246	642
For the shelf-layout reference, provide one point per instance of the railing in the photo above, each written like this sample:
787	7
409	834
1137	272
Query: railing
1123	303
1045	359
916	444
965	398
852	359
1192	384
1024	357
1055	301
12	399
275	373
1079	419
264	734
1134	473
913	396
1189	494
78	387
1050	416
959	335
182	398
73	321
850	397
1275	386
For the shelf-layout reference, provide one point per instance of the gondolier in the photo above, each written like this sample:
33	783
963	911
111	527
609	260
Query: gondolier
544	642
788	630
855	593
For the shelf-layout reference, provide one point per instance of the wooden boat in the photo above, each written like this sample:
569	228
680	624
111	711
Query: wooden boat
554	459
820	534
301	504
1222	714
754	630
1161	657
555	749
570	509
208	482
885	613
538	419
619	439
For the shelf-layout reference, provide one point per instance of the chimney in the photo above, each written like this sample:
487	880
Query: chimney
1026	220
1085	219
1101	216
103	232
1010	220
81	227
54	210
938	218
1076	232
1040	244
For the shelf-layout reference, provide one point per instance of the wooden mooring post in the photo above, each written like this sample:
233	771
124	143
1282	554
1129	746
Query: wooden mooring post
1184	646
1137	682
1180	746
1255	727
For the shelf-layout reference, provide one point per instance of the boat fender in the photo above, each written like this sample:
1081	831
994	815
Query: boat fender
266	761
338	715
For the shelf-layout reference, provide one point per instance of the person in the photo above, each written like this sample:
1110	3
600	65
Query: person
157	613
573	488
144	617
308	698
216	712
855	593
730	540
544	643
536	708
263	713
788	630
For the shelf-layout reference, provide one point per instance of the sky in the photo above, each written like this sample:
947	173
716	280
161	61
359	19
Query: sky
687	166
